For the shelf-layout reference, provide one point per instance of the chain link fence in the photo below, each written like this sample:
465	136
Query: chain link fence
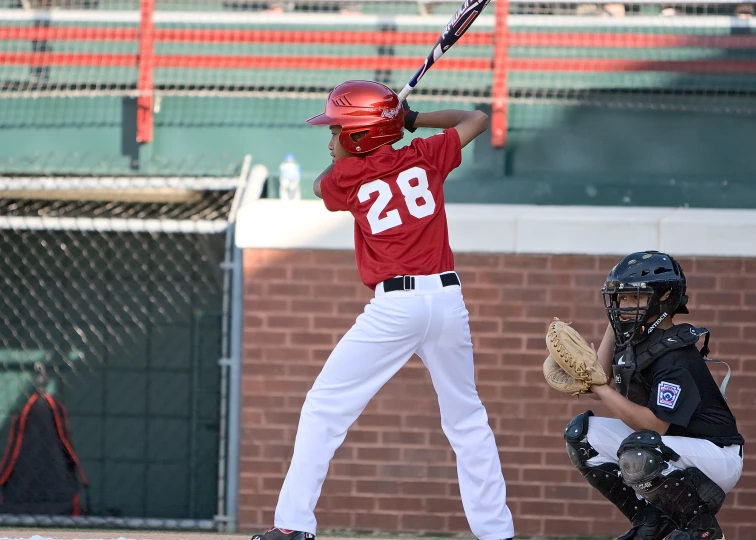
115	321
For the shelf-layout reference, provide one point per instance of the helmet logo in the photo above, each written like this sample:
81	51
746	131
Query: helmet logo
389	113
657	322
341	101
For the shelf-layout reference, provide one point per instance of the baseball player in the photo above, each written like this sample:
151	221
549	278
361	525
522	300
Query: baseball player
674	450
402	250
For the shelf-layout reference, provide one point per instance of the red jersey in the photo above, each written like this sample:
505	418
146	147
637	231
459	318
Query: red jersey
397	200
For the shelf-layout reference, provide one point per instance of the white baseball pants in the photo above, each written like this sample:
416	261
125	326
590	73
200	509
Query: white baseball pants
723	465
432	322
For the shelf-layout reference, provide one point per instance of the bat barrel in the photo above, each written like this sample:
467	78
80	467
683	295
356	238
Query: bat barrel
458	25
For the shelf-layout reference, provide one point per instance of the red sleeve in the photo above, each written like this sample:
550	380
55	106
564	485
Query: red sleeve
333	197
444	150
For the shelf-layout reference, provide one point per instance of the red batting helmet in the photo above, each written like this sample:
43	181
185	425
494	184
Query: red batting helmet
363	106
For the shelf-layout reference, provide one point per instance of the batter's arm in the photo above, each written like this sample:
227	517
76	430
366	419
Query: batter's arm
316	183
469	124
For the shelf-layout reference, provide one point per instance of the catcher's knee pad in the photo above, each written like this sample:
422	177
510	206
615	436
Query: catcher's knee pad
642	459
680	494
578	448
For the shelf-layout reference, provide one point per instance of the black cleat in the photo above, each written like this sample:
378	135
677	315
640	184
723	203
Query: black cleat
650	525
274	533
703	527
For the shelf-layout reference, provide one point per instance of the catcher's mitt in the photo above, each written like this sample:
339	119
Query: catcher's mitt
559	380
572	366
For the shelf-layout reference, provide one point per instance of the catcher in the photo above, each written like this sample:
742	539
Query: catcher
672	450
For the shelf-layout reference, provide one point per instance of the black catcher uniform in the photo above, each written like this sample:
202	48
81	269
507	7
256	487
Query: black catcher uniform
670	485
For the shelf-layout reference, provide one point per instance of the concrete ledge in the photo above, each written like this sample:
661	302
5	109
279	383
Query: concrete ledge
485	228
588	230
722	233
270	223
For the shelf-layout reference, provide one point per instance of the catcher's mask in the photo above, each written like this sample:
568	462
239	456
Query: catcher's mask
659	283
363	107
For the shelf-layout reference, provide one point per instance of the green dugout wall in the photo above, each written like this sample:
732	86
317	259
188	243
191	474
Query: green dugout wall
639	110
555	154
127	327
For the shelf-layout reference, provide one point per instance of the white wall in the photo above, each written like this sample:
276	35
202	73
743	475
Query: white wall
268	223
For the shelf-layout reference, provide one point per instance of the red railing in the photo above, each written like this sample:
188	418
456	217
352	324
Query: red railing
598	40
500	64
146	66
500	90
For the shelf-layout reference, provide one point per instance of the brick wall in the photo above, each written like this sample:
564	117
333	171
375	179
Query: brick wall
396	471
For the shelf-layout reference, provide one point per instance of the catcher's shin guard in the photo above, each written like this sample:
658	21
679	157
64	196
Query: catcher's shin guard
650	524
275	533
606	477
688	497
703	524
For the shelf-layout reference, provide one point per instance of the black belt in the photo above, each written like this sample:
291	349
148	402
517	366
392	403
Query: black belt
700	429
407	283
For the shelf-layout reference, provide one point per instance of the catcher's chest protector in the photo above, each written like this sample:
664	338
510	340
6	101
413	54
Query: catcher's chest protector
40	472
635	359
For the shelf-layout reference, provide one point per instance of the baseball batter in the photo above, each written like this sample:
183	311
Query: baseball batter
403	254
674	450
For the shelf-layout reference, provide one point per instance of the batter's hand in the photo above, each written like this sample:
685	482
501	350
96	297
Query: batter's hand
409	117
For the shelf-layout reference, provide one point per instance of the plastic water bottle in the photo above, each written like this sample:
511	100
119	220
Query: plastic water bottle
289	176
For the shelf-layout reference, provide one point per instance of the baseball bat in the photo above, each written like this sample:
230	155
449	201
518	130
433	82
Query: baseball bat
455	28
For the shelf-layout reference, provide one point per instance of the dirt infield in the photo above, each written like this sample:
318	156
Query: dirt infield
132	534
32	533
136	534
79	534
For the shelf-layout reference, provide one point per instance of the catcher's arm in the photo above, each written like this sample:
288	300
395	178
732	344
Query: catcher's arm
606	352
605	356
636	416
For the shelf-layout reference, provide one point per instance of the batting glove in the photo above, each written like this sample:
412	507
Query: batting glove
409	117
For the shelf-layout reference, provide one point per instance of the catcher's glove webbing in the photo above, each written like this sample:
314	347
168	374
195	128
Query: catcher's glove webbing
572	365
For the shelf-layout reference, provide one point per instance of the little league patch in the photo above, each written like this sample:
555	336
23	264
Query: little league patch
667	395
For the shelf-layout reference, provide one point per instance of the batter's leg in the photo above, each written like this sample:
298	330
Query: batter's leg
447	353
381	341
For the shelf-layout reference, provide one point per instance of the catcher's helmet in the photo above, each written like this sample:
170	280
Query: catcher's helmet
363	106
645	273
